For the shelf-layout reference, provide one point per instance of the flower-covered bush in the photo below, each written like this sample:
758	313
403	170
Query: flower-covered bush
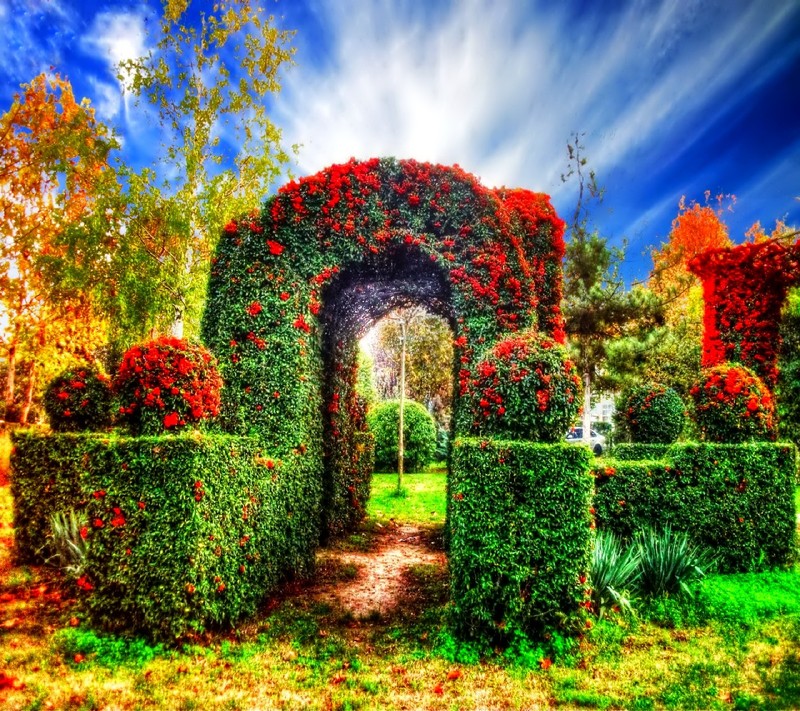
419	435
167	384
652	414
526	388
744	288
733	405
79	399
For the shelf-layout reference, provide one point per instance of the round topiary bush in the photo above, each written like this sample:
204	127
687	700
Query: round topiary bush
419	435
166	385
652	413
79	399
733	405
527	388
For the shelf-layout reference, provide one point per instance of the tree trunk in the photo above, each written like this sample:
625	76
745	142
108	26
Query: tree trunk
587	408
26	407
400	434
12	365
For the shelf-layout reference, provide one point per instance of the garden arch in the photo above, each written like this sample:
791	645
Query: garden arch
293	285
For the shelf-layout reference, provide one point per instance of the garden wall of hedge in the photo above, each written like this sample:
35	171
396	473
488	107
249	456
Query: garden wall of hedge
520	536
185	532
737	499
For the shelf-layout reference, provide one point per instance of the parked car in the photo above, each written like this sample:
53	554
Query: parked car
598	442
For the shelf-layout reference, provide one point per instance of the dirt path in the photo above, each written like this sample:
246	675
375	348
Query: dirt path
378	577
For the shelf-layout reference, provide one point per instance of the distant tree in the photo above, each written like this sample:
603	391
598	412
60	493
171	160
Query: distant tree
429	360
208	80
597	307
54	180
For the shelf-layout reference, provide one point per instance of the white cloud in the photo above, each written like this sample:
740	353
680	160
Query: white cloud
498	87
116	37
107	99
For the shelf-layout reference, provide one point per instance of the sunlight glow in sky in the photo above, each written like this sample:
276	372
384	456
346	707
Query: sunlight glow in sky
674	97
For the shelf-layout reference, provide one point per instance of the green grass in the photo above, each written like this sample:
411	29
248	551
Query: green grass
422	503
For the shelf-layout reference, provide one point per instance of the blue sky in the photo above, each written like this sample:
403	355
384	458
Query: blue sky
674	97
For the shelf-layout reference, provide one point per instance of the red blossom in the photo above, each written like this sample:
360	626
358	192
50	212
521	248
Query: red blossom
275	248
171	420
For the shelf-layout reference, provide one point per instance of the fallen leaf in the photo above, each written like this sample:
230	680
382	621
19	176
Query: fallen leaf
338	679
545	663
453	674
438	689
10	682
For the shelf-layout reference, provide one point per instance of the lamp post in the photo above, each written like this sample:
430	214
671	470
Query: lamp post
400	439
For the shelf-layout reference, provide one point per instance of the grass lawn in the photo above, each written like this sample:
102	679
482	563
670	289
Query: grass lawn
739	649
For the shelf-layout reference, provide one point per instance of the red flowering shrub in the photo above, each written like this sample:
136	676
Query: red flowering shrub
733	405
79	399
744	288
167	384
652	414
526	388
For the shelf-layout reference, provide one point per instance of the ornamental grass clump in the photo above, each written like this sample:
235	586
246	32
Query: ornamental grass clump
615	572
78	400
652	414
166	385
527	388
669	563
733	405
419	435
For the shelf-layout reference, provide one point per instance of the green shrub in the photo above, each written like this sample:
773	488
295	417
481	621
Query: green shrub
69	533
525	389
652	414
419	435
79	399
520	538
615	571
668	562
183	532
735	499
733	405
167	384
630	451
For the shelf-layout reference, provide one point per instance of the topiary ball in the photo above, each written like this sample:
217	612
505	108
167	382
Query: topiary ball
732	404
78	400
652	414
527	388
419	435
167	384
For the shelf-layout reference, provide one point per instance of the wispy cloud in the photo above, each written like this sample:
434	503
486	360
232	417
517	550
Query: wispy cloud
498	87
33	34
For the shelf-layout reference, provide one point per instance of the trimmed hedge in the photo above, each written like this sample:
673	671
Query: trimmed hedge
737	499
347	486
79	399
419	435
185	532
638	451
652	414
520	537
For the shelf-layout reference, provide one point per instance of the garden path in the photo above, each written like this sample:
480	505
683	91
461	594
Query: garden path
379	576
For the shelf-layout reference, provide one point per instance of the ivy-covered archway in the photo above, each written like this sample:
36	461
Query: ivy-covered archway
294	286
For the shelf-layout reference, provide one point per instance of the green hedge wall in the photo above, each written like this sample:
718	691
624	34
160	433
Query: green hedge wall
639	451
520	536
737	499
185	532
347	487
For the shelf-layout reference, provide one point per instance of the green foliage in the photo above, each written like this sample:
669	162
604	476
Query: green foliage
668	562
184	532
79	399
629	451
167	384
526	389
787	392
747	599
736	500
652	414
614	574
419	435
105	649
732	404
520	538
365	383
